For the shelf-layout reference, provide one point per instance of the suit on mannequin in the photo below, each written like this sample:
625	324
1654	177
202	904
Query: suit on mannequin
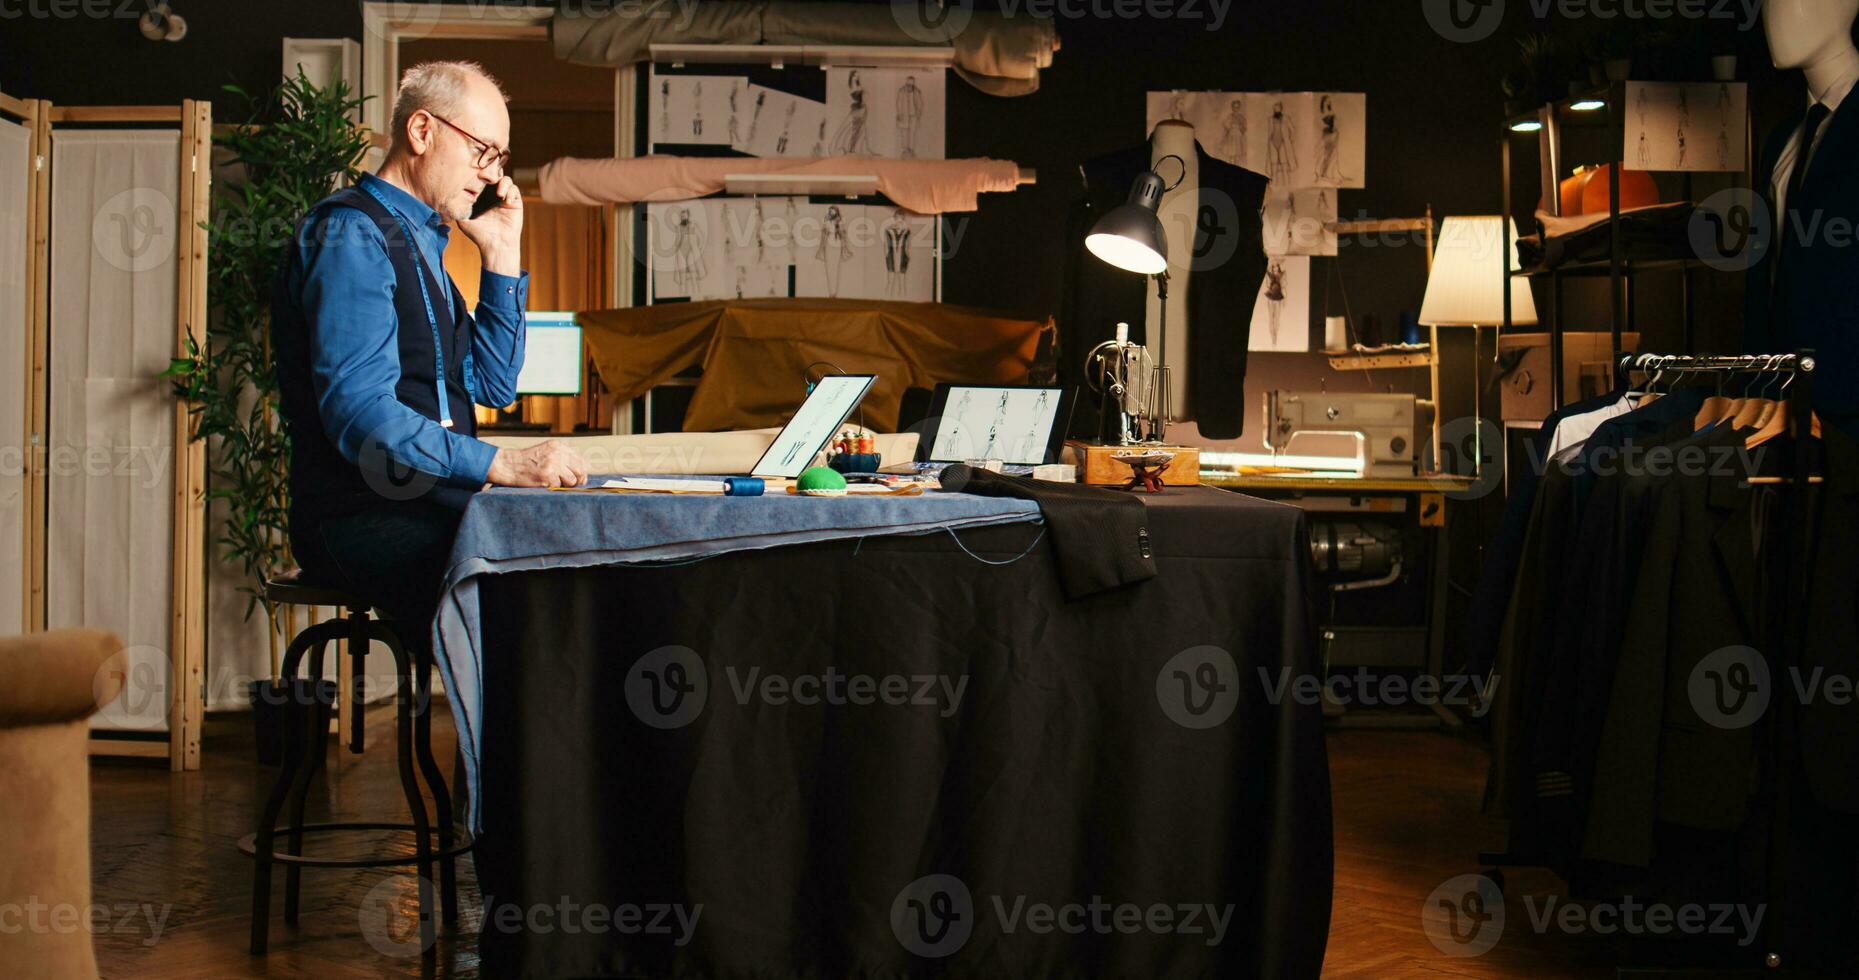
1800	292
1220	292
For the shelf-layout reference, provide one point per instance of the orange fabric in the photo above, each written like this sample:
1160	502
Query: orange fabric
922	186
755	353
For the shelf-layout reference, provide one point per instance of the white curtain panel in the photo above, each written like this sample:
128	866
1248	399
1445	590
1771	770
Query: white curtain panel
15	182
114	230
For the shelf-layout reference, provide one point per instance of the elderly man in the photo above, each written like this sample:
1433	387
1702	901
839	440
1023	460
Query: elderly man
379	363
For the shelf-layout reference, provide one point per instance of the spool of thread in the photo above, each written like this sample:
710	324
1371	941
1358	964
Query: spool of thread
1410	328
743	486
1335	333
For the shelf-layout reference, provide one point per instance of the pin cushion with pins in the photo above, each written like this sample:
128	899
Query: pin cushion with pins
821	481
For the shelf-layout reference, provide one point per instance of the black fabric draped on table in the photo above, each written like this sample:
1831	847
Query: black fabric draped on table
1053	789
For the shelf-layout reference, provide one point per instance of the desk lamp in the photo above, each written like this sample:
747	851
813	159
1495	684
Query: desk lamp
1130	237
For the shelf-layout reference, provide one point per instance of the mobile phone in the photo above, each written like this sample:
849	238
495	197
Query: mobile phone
487	199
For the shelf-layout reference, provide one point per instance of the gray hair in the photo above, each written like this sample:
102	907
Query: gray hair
437	87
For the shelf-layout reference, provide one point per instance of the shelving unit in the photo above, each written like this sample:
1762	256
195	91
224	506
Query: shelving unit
1552	119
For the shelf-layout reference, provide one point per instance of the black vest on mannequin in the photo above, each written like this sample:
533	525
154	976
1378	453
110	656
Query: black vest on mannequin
1220	297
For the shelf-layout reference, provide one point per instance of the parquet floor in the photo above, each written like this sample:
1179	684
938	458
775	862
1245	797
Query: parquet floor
1407	820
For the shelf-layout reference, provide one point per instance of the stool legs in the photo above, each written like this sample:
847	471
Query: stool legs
297	742
442	800
315	734
304	759
360	631
404	709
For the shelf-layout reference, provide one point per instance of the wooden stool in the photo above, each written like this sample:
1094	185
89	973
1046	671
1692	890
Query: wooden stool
304	754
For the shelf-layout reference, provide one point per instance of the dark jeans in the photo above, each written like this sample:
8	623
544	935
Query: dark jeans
392	556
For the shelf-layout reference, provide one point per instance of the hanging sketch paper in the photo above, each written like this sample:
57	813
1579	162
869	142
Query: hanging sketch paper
694	108
1300	222
1299	139
900	265
829	241
755	251
1341	139
776	124
687	250
1281	317
1701	127
848	112
885	112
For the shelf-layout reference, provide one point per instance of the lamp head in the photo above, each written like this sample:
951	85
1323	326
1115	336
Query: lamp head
1130	237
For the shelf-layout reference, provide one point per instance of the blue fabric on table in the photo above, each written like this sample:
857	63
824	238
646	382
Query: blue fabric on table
508	530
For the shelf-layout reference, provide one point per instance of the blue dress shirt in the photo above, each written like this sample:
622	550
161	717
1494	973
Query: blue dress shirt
346	283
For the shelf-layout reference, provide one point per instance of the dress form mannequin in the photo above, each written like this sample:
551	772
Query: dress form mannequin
1815	36
1179	210
1799	293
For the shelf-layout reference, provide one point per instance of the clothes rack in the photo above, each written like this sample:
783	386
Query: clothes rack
1798	370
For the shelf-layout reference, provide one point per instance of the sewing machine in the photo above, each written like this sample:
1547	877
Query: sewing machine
1383	427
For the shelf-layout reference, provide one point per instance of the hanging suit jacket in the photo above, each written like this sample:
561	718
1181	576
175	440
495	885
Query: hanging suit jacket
1228	239
1702	588
1811	302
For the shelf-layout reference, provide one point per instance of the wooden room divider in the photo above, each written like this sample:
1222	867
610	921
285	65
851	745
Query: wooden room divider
110	525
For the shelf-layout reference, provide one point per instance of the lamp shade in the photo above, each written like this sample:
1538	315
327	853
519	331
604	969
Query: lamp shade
1130	236
1466	286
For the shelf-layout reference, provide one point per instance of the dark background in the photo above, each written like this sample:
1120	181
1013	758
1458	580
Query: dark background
1435	132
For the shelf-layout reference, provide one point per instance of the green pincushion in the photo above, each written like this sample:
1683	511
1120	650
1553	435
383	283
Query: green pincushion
821	481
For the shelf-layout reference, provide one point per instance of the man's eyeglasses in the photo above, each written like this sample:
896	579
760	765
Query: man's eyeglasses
486	152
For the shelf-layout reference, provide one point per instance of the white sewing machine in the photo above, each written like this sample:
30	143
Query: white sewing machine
1382	427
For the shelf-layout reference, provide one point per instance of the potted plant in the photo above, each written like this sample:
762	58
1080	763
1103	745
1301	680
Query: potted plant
297	144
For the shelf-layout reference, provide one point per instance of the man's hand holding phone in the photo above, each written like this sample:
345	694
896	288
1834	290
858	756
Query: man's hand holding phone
496	227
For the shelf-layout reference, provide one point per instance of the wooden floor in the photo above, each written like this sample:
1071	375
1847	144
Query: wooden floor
1407	821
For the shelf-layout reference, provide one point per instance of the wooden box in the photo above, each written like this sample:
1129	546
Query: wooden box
1096	468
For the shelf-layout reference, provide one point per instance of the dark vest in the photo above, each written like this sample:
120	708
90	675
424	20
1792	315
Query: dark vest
323	483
